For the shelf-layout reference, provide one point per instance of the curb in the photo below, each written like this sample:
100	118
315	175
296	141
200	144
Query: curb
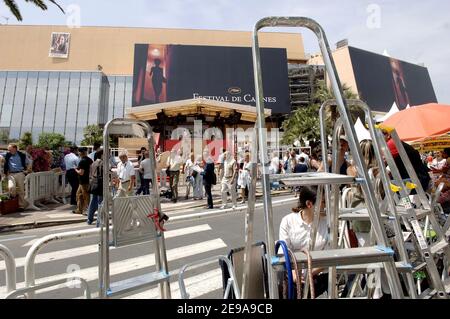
40	224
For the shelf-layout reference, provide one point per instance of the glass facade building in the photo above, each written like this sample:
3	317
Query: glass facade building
60	102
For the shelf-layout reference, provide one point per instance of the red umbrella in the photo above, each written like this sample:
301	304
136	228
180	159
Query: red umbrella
420	122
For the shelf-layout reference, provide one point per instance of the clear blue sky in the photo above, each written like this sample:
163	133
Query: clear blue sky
414	31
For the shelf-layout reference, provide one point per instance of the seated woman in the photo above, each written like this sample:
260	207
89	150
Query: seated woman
295	230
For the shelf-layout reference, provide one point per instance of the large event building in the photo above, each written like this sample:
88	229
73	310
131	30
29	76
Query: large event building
57	79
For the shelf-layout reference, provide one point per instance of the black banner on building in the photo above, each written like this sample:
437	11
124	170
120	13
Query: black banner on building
382	80
166	73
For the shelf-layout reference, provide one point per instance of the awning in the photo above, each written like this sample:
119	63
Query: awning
193	107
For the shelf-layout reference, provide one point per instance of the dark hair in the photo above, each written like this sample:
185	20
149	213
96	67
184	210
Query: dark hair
302	159
97	145
306	194
143	148
73	148
447	151
98	155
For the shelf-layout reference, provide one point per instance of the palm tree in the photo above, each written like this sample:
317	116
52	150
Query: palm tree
303	123
14	8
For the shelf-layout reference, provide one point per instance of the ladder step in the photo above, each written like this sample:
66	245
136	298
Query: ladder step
436	247
419	266
356	214
314	178
363	269
420	213
131	284
341	257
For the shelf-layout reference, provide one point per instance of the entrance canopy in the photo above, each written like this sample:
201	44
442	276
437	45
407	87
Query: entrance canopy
194	107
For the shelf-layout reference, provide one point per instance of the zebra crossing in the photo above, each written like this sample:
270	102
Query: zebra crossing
80	259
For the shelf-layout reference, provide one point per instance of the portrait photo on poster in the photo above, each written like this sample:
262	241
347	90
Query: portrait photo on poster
60	43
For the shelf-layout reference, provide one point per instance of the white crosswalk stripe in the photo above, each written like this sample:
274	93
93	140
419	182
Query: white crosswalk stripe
91	249
140	263
196	286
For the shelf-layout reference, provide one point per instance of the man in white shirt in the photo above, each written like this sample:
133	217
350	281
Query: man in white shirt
71	161
229	180
174	162
127	176
146	169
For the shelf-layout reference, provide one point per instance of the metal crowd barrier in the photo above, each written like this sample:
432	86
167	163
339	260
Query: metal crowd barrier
10	264
231	283
38	245
60	192
39	186
25	292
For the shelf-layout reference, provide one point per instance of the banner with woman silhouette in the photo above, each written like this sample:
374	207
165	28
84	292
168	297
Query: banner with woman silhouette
383	80
165	73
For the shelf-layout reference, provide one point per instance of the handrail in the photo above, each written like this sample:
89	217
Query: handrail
29	267
10	268
231	281
26	291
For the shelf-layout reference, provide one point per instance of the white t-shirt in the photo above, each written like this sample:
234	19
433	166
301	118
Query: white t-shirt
297	234
125	171
274	165
188	168
229	168
438	164
147	168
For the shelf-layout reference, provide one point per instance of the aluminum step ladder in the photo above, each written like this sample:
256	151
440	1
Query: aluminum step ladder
383	252
135	219
411	215
387	208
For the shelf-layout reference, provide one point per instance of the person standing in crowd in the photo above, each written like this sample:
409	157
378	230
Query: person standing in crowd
209	180
305	156
162	172
16	165
146	169
71	161
29	154
126	175
188	173
197	171
174	162
141	177
315	161
301	166
244	178
443	176
96	178
228	180
221	160
344	149
96	148
274	164
83	171
414	156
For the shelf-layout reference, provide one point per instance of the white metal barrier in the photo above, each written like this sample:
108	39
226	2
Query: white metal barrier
60	187
39	186
38	245
10	264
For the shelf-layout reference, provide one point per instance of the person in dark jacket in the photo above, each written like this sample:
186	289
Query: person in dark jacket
420	168
209	179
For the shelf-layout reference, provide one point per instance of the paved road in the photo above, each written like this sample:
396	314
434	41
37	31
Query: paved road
186	241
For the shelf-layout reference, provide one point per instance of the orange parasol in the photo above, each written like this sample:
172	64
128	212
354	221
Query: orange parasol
420	122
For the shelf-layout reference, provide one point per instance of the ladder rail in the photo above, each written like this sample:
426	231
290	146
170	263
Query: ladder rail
419	238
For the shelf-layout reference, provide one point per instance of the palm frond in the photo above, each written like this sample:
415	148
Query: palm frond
56	4
12	5
38	3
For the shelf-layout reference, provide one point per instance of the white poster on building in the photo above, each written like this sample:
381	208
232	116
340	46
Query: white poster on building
60	45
